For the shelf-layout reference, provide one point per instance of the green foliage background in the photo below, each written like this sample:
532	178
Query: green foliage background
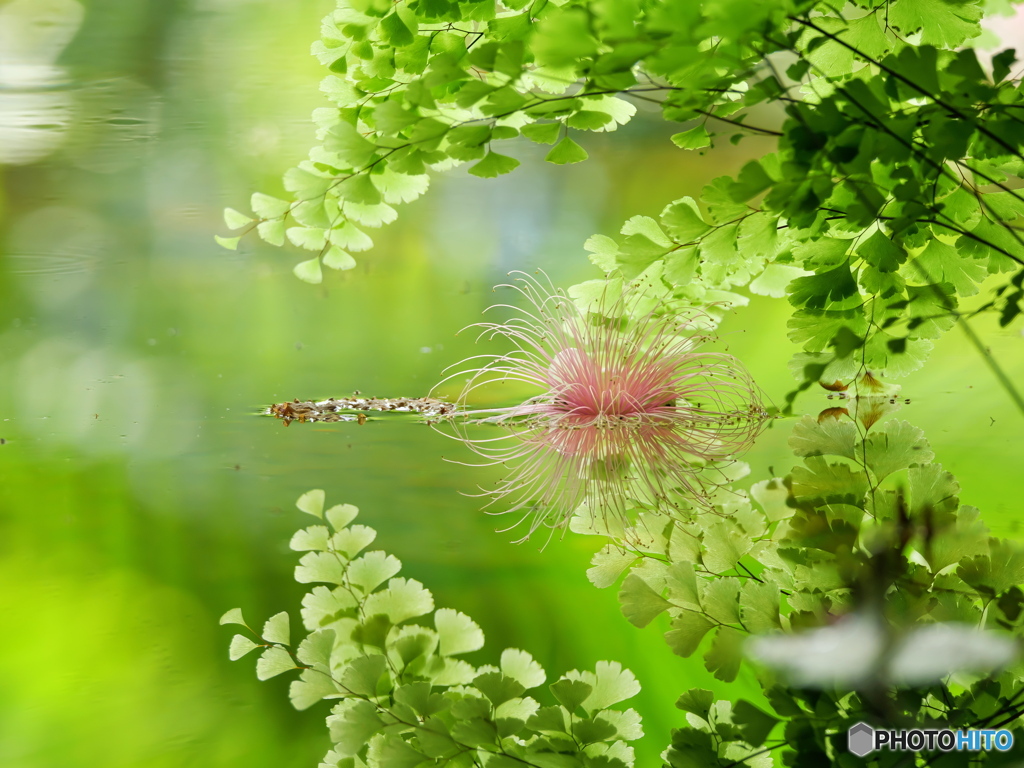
139	497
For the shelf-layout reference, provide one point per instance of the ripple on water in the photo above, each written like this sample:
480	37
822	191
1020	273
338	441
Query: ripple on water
66	263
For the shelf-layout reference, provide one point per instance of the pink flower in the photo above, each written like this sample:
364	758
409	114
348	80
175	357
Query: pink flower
630	413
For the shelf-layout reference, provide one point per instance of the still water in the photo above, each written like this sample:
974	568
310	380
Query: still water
140	495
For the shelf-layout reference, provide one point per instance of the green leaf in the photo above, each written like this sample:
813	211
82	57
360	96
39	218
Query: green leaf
234	616
829	483
753	723
240	645
640	603
724	656
694	138
498	688
759	607
457	632
309	271
312	503
834	289
895	448
941	262
359	189
697	701
831	437
571	693
521	666
352	725
610	683
372	569
394	31
354	150
273	662
363	673
566	152
881	253
310	238
687	632
234	219
275	630
943	23
542	133
494	165
682	220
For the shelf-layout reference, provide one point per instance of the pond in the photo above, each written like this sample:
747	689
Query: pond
141	495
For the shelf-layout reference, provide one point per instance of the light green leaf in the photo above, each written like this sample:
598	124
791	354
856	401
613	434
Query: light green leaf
312	503
272	231
307	237
724	545
231	243
320	567
457	632
275	630
317	648
352	725
608	564
240	645
234	219
494	165
566	152
373	569
521	666
268	207
352	540
640	603
273	662
234	616
309	271
774	279
313	539
312	687
720	599
363	674
603	251
694	138
340	515
402	600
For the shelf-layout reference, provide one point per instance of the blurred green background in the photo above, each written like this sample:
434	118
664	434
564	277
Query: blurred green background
140	497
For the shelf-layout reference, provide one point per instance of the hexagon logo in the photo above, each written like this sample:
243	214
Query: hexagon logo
860	739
